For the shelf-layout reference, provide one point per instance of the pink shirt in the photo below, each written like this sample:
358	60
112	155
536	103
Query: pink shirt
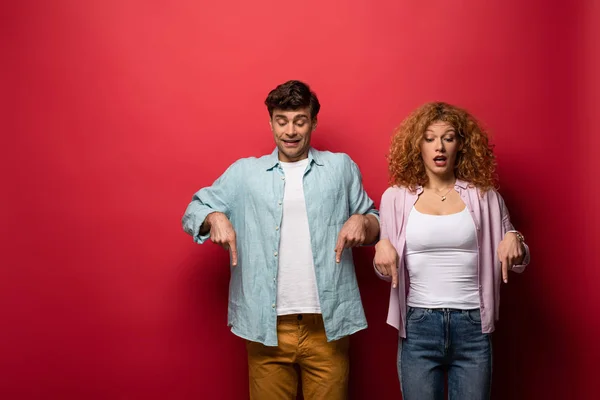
492	221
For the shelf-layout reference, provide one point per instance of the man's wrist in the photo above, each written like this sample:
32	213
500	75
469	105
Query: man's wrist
366	220
207	224
209	218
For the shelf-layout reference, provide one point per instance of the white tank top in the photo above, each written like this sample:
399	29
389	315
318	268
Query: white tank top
441	259
296	279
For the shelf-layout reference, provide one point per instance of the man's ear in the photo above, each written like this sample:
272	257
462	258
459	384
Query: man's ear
271	123
314	124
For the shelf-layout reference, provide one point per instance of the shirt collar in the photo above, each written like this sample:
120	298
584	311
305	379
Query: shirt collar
458	184
461	184
272	160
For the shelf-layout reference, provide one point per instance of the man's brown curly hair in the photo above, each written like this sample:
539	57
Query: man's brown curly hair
475	160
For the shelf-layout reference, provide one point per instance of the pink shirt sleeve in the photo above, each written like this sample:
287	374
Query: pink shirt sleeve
508	226
388	222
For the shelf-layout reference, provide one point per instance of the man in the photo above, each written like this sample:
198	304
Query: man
286	219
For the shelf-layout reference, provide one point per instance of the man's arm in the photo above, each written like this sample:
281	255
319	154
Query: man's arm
221	232
217	198
361	203
372	227
363	225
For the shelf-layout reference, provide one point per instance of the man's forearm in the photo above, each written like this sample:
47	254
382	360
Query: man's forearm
372	229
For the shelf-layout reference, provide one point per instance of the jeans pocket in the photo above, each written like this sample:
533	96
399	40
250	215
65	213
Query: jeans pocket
474	316
416	314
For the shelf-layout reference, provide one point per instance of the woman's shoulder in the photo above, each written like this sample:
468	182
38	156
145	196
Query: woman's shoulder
491	197
488	192
396	192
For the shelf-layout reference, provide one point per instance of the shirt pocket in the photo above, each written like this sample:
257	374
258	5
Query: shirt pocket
334	207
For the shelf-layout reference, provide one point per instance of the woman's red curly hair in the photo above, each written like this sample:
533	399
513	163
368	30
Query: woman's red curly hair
475	161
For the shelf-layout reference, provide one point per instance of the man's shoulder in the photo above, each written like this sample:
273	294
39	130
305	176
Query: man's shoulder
335	158
252	163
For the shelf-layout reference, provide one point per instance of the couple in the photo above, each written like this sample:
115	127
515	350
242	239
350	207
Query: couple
289	219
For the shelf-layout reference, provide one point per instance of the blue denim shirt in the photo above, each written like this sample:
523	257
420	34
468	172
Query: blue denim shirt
250	193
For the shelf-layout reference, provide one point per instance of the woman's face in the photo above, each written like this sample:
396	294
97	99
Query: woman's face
439	147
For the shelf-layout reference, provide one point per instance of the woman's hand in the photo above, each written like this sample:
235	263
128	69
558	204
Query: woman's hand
510	252
386	260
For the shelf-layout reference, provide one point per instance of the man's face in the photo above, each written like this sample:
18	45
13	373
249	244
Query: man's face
292	131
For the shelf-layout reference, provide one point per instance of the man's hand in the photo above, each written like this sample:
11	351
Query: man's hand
222	233
353	233
386	260
510	252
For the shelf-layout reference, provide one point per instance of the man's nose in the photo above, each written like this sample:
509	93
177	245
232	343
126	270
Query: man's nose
290	130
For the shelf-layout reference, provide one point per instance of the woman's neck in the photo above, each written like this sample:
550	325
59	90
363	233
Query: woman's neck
439	183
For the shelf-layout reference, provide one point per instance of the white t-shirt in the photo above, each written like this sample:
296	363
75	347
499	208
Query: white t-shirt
441	259
296	279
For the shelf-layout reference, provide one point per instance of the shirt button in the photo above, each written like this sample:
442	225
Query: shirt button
279	202
274	279
283	178
275	254
273	305
277	228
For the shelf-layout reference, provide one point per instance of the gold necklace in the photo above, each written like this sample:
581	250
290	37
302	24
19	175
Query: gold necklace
444	196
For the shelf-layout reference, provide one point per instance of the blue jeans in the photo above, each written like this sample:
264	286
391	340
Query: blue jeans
440	341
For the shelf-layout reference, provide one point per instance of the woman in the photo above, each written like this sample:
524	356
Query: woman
446	243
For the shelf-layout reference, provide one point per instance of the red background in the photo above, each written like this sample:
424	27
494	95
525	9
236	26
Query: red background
116	112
